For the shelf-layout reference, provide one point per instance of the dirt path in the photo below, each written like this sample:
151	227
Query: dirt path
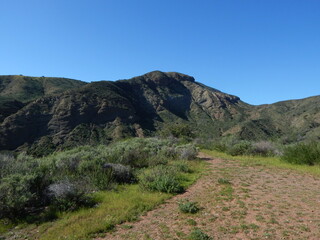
260	203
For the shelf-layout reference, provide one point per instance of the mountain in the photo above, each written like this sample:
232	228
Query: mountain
295	119
16	91
105	111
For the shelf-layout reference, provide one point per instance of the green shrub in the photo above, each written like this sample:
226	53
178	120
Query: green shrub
178	130
192	222
181	166
302	153
68	196
223	181
188	152
188	207
169	152
162	179
197	234
220	146
6	162
241	148
16	195
156	160
263	148
120	173
95	175
141	152
28	183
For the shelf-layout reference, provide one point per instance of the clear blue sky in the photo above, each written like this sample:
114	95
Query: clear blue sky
260	50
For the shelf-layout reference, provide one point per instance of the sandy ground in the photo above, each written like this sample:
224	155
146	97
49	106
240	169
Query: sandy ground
260	203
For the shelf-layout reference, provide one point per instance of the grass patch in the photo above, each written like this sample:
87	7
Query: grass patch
187	206
191	222
198	234
115	207
5	225
223	181
266	161
226	193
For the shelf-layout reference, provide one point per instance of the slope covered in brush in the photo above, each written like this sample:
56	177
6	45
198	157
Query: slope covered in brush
17	90
100	112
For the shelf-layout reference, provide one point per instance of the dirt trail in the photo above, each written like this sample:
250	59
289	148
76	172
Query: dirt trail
260	203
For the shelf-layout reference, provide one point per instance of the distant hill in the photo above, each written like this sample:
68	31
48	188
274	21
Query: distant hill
16	90
105	111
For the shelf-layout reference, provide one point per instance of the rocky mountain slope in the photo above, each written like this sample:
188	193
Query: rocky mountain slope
104	111
17	90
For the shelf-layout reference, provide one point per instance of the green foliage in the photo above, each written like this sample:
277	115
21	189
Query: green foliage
236	147
15	195
223	181
25	89
273	162
263	148
181	166
302	153
192	222
241	148
188	152
22	185
219	146
68	196
141	152
187	206
198	234
162	179
65	179
178	130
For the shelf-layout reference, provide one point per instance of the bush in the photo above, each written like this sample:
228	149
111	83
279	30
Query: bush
16	195
188	207
6	162
95	174
181	166
302	153
28	183
67	196
162	179
263	148
224	181
241	148
178	131
188	152
169	152
220	147
197	234
139	152
135	157
120	173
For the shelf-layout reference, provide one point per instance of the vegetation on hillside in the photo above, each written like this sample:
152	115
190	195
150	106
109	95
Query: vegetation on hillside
40	189
156	103
302	153
26	89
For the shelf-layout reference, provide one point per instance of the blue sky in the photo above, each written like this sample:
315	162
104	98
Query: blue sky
260	50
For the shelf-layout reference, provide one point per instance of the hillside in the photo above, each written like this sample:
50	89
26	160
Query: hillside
17	90
105	111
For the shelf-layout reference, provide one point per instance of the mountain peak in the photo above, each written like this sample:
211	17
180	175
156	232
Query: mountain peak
159	76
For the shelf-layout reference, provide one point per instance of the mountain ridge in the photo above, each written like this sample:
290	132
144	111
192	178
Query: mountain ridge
104	111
